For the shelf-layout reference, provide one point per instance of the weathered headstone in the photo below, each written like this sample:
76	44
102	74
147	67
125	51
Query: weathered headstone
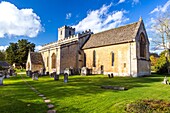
84	71
67	71
112	75
35	76
165	81
1	79
29	73
65	78
56	76
109	76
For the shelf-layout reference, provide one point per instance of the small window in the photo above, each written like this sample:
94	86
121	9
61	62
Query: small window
94	58
53	57
124	65
61	33
112	55
142	46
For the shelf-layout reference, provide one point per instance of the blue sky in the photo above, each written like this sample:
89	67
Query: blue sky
38	20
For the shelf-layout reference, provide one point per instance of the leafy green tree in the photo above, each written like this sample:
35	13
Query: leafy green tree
162	64
18	52
2	55
11	53
23	48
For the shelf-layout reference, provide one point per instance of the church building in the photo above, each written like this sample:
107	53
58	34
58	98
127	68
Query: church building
122	51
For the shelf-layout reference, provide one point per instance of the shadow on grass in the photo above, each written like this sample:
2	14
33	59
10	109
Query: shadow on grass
9	105
86	85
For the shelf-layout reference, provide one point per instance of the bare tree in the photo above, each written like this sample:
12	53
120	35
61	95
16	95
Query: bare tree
162	30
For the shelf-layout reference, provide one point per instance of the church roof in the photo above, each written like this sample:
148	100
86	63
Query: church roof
36	58
118	35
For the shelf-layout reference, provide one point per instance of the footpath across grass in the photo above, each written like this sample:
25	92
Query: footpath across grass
82	94
17	97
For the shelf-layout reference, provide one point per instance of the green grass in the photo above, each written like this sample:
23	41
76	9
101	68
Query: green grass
80	94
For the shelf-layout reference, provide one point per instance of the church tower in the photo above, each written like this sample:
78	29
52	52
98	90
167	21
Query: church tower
65	31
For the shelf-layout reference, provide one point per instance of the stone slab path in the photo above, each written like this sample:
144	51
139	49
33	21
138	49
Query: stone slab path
47	101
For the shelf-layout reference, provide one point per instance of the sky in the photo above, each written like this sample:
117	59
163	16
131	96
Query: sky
38	20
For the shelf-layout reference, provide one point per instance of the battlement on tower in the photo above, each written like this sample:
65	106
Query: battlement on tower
66	27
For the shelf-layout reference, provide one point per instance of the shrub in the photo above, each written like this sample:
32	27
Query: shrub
148	106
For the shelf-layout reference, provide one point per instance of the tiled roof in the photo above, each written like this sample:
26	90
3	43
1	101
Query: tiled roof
113	36
4	64
36	58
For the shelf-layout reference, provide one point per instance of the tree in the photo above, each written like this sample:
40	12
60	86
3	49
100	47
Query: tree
162	28
2	55
11	53
162	64
23	48
18	52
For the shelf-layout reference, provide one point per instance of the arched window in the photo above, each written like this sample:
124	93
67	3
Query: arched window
28	66
53	57
113	58
94	58
142	45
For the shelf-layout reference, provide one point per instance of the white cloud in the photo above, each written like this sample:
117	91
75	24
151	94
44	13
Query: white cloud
121	1
101	19
3	47
161	8
135	1
18	22
68	16
37	48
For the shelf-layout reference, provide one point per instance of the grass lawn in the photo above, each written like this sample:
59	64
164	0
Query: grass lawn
80	94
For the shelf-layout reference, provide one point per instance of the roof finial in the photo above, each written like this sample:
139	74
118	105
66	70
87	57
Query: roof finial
140	19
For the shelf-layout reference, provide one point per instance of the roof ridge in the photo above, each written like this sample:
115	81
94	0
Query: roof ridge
137	27
116	28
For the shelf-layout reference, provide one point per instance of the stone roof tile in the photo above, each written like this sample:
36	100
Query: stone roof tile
113	36
36	58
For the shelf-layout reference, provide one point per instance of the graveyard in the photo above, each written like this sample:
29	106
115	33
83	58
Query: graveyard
83	94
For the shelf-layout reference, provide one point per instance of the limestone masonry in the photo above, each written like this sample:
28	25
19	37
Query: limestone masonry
122	51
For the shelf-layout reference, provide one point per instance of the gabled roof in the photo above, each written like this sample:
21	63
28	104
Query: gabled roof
4	64
118	35
36	58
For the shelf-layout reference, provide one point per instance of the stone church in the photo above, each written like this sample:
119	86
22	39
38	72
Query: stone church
122	51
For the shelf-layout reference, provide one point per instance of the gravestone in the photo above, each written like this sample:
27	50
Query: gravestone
110	75
29	73
42	71
84	71
65	78
165	81
1	79
56	76
35	76
67	71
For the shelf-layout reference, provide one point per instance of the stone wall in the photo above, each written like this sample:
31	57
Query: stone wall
122	60
36	67
69	56
144	67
